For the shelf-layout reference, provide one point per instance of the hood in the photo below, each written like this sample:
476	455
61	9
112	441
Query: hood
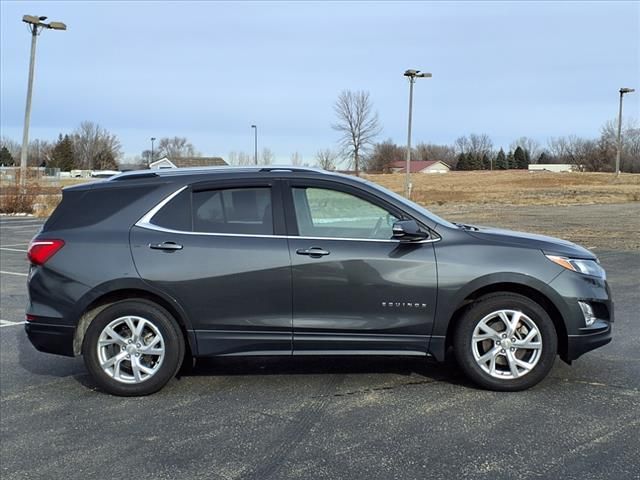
549	245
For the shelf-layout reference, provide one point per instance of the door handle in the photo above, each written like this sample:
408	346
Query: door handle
314	252
165	246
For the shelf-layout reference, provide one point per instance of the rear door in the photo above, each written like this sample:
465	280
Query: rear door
219	250
355	289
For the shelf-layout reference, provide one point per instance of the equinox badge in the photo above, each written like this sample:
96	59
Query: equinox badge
404	305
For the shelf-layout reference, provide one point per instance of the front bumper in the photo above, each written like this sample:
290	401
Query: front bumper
574	288
50	338
599	334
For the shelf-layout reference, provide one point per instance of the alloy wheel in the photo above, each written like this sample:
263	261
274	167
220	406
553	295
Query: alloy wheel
507	344
130	349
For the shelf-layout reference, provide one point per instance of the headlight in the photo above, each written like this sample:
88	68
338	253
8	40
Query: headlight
587	267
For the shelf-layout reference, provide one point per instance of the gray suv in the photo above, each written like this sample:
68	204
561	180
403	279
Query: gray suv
138	272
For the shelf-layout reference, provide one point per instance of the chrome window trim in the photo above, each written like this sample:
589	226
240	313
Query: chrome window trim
146	219
145	222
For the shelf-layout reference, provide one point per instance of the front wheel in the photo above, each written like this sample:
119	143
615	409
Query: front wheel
505	342
133	347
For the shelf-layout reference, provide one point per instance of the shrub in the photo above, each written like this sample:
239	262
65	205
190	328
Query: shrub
15	198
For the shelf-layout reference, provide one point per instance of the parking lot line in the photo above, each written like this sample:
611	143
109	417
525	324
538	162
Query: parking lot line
12	249
7	323
14	273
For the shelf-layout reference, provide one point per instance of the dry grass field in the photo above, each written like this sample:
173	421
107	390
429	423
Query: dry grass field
516	188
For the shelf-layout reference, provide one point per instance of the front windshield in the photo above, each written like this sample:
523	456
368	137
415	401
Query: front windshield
412	204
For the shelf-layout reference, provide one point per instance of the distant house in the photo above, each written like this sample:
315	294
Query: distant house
553	167
434	166
182	162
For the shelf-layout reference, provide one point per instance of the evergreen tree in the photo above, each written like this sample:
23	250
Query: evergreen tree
463	162
519	158
486	162
501	160
543	158
476	162
63	156
510	160
5	157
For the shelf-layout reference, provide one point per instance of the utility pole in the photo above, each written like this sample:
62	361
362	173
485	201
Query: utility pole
411	75
153	139
619	142
255	144
36	25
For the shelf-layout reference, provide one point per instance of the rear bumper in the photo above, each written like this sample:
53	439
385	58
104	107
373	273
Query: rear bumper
57	339
596	336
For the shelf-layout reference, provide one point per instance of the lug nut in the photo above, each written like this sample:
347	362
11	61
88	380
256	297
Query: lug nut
138	345
130	341
513	340
504	335
502	351
513	349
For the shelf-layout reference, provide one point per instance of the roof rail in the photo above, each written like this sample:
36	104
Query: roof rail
133	175
284	168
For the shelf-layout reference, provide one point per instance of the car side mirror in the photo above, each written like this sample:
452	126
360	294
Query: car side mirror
408	231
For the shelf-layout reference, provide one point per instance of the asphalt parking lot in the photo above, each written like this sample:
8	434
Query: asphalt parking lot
373	418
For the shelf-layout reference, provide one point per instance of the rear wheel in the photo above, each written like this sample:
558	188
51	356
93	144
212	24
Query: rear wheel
505	342
133	347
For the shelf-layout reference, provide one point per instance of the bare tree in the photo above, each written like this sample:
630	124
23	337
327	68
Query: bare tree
326	159
40	152
296	159
529	145
384	154
584	154
266	157
175	147
630	136
94	146
241	158
438	153
357	124
475	144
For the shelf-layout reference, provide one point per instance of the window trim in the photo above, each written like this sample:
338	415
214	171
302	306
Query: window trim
146	223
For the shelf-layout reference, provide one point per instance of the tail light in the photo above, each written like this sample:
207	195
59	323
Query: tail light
42	250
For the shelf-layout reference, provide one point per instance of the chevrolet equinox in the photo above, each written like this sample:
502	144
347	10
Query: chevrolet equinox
138	272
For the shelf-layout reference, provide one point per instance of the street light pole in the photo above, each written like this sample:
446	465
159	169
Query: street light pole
153	139
619	142
36	25
255	144
411	75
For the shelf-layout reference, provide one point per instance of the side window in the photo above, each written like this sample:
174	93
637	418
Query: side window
176	214
329	213
238	210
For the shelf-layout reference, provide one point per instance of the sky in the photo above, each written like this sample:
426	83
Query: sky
209	70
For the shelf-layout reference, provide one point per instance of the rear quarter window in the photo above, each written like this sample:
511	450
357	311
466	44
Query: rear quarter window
176	215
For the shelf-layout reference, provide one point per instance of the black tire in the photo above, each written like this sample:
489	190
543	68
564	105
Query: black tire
172	342
501	360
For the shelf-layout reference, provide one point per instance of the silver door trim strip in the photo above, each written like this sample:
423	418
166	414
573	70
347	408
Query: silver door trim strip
145	222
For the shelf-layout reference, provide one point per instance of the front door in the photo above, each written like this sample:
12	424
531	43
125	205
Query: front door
355	290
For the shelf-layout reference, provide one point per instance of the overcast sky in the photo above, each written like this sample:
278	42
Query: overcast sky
208	70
